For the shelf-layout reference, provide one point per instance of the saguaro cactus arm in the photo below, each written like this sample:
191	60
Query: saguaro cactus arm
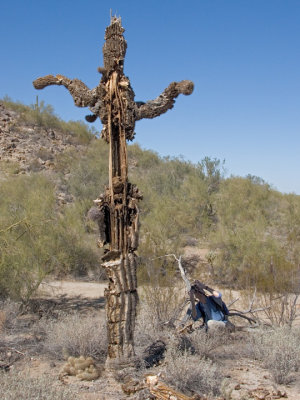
82	95
165	101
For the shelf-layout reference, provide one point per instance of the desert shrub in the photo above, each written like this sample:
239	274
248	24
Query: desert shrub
178	203
89	173
191	374
160	303
76	335
9	310
36	240
157	306
280	309
257	236
27	219
279	351
203	343
75	250
13	105
9	167
146	332
79	132
14	385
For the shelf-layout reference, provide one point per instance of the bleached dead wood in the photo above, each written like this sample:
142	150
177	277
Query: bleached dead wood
242	313
162	391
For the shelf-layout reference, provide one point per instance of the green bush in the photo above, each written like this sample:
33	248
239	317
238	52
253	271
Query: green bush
26	221
255	240
36	240
75	249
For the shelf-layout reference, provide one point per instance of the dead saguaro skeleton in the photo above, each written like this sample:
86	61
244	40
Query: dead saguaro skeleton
117	209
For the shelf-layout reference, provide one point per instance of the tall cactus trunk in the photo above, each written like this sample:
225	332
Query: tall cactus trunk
120	262
121	300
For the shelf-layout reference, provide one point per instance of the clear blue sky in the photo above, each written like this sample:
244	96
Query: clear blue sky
243	56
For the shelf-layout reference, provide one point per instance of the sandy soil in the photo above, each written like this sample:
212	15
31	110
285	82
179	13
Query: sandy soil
90	290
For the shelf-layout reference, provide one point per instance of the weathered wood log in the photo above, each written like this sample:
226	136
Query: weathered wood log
118	217
157	389
162	391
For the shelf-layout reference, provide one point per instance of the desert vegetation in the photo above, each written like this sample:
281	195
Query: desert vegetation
250	232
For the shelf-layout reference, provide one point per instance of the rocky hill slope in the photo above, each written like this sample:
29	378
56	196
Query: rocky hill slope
29	146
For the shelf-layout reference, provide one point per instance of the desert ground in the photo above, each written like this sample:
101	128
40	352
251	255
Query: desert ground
32	351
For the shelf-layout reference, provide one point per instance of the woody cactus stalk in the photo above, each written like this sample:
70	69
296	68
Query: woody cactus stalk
117	209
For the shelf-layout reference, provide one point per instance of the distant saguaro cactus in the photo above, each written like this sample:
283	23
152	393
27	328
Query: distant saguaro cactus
113	102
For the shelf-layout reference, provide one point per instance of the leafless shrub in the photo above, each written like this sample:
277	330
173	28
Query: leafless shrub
279	350
76	335
146	331
158	305
204	343
9	311
280	310
191	374
15	385
161	303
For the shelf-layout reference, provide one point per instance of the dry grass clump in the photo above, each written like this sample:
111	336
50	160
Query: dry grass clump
279	350
77	335
190	373
17	386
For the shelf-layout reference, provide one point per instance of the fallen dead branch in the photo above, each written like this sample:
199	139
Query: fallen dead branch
157	388
162	391
15	350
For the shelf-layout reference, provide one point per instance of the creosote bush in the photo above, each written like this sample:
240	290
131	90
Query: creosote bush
279	351
76	335
19	386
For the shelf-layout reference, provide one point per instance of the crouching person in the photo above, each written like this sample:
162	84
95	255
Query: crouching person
210	308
